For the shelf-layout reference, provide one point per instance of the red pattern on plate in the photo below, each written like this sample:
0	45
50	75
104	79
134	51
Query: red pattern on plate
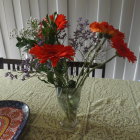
4	122
12	118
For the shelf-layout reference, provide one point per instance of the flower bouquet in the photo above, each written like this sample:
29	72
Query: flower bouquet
44	41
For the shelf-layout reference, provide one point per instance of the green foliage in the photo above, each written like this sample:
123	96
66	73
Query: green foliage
50	76
49	31
61	67
72	84
22	42
45	32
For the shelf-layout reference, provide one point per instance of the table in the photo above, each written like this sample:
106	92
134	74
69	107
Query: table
109	109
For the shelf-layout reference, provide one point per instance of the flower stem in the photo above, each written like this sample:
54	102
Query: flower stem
91	61
86	62
86	75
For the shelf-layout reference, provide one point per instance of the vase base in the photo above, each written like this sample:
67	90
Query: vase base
68	125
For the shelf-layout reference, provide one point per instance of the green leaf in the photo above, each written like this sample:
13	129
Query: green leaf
48	18
44	23
50	76
24	42
18	38
61	67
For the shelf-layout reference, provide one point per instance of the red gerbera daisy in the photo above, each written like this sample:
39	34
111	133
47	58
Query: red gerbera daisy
122	49
60	21
52	52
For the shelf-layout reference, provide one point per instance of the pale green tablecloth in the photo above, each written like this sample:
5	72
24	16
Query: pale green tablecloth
109	109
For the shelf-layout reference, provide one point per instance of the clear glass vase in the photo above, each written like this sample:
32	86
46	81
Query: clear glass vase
68	99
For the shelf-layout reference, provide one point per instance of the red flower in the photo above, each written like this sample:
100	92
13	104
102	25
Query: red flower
52	52
116	37
60	21
105	28
51	17
122	50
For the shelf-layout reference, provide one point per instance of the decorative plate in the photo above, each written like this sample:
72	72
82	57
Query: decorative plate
13	117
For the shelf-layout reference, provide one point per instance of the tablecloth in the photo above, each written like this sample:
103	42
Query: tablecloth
109	109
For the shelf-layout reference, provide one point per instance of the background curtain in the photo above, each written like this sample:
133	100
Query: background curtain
123	14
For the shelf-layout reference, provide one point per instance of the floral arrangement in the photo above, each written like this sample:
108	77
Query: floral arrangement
44	40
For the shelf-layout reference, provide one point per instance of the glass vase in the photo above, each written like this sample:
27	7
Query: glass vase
68	99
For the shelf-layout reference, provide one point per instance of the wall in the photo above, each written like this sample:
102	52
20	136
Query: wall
123	14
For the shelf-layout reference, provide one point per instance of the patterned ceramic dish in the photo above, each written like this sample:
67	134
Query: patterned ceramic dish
13	117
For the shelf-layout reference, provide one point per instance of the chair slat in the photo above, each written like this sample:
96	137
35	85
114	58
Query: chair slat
1	63
71	70
103	72
13	67
18	67
8	66
77	71
93	73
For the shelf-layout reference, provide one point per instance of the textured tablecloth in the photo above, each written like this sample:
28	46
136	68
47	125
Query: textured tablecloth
109	109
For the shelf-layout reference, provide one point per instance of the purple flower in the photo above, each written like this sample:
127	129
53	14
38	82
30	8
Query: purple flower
83	37
12	76
40	43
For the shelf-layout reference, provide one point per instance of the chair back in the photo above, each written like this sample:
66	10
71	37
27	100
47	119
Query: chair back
11	64
74	67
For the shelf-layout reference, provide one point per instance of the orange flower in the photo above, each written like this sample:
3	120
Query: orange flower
102	27
122	50
105	28
52	52
95	27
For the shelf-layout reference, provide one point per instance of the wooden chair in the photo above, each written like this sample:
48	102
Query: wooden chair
12	64
74	67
